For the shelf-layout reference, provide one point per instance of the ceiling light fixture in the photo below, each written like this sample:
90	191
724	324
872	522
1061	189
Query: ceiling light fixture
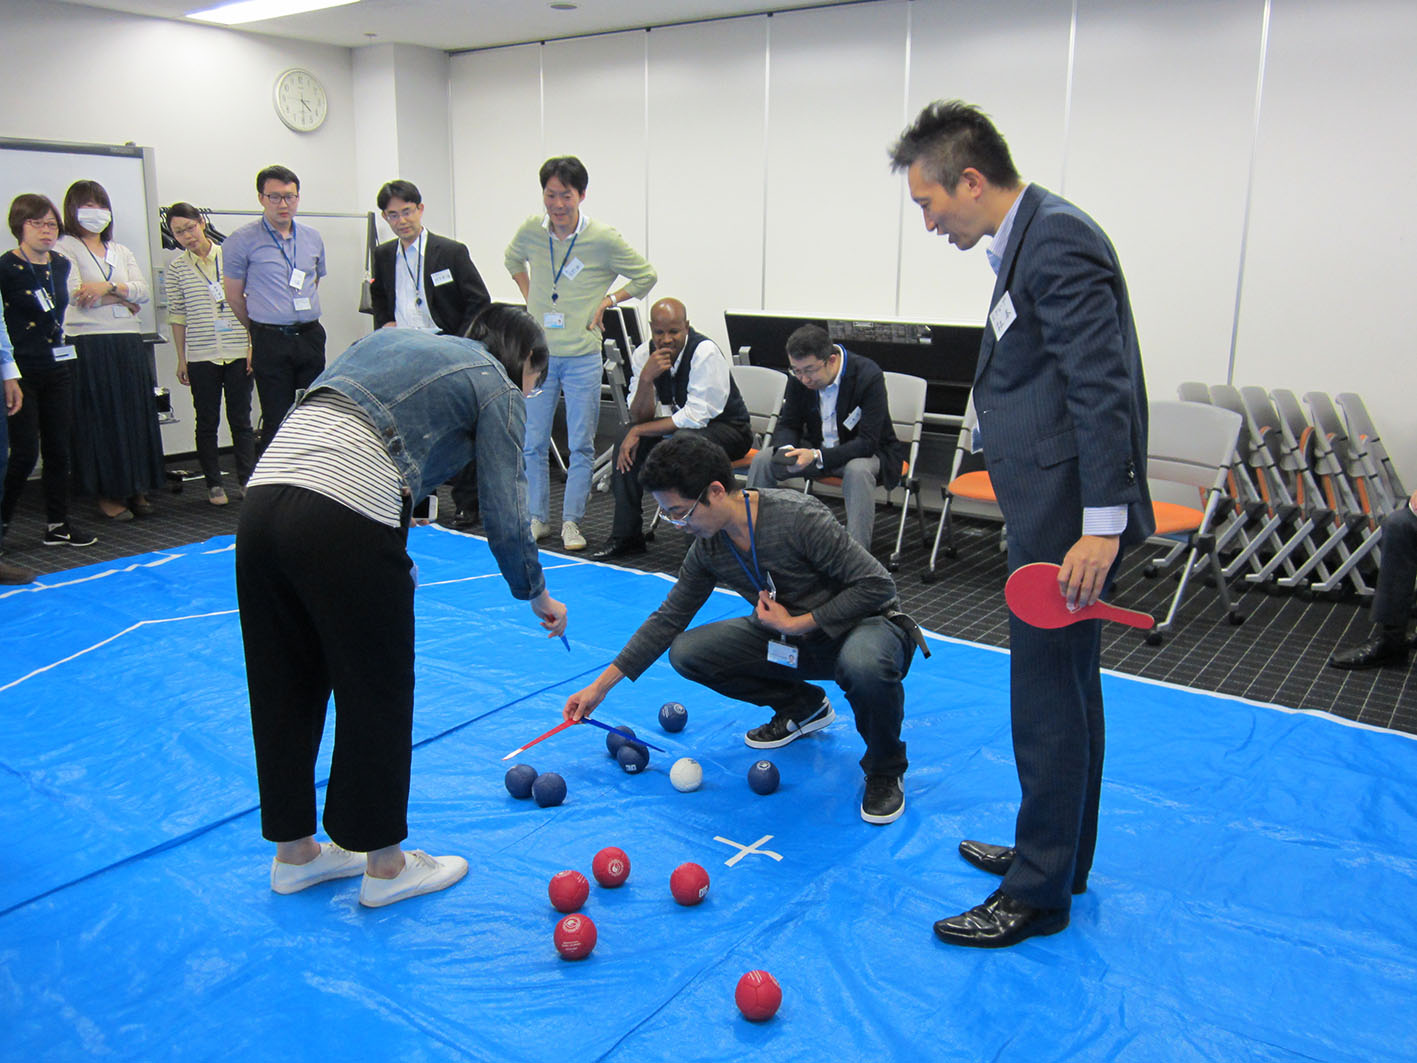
258	10
563	6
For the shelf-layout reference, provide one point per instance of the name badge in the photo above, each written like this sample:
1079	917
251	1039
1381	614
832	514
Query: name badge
42	298
572	268
782	653
853	419
216	291
66	353
442	277
302	303
119	310
221	325
553	319
1002	316
297	279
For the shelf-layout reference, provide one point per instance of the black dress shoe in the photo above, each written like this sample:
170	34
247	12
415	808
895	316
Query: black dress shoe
630	544
1383	648
999	922
995	859
464	518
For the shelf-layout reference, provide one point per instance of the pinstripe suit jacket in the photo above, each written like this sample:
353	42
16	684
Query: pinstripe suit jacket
1060	395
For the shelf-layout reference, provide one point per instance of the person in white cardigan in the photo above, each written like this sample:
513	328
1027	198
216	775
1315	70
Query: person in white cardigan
117	444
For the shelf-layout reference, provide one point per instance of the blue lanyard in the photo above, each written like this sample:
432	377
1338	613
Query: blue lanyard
756	575
551	253
294	251
106	276
417	278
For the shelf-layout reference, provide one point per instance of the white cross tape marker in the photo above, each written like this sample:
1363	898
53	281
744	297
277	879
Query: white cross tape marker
744	850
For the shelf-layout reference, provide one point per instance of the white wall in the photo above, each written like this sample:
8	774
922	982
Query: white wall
203	98
1145	118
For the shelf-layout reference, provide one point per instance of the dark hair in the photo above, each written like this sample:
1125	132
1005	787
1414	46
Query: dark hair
283	174
30	206
810	341
400	189
947	137
81	192
185	210
569	169
687	462
514	338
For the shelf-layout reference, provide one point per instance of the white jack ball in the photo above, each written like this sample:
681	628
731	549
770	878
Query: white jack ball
686	774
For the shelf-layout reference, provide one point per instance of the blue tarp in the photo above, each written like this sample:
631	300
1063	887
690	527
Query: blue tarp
1252	898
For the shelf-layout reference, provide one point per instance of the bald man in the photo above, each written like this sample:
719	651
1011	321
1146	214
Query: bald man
680	383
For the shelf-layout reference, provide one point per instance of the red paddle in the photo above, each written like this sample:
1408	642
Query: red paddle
1033	595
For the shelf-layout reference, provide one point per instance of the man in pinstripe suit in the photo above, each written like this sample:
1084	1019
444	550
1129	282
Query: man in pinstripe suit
1062	422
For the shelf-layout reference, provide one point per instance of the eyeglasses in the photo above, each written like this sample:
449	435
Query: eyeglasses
679	522
280	198
184	230
402	215
804	372
46	223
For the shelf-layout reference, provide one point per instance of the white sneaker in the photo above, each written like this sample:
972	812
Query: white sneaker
421	874
333	862
539	528
571	537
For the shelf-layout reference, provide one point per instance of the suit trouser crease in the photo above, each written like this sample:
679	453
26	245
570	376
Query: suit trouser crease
859	478
869	663
326	601
1392	598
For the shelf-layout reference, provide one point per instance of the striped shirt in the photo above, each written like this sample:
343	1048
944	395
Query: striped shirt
327	445
193	303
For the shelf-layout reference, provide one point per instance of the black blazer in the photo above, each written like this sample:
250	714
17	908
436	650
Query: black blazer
862	386
453	303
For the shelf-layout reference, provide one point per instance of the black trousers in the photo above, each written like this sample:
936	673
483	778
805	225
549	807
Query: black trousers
464	486
625	486
44	424
1392	599
283	362
326	601
210	381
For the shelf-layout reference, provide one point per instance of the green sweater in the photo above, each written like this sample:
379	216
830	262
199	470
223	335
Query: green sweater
603	254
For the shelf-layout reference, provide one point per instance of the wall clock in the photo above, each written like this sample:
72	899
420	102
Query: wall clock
301	101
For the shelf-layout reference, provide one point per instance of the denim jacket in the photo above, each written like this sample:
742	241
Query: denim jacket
438	402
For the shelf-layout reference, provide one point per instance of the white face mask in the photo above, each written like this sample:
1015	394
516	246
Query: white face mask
94	219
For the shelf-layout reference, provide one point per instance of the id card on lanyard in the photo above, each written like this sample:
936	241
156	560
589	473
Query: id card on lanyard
780	651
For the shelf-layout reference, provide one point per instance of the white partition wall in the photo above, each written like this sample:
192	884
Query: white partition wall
836	90
747	157
706	137
495	110
1332	259
1159	152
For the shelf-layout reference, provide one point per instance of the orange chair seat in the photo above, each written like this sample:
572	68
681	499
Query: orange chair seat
746	459
1172	518
974	486
835	481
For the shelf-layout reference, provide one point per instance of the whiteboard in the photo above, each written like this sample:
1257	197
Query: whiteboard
126	171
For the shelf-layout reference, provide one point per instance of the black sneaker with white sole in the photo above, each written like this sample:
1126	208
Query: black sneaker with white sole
884	799
781	729
67	535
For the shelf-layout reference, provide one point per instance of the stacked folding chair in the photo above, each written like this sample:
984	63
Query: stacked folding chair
968	480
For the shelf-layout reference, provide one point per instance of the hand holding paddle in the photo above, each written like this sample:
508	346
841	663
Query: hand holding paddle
1034	597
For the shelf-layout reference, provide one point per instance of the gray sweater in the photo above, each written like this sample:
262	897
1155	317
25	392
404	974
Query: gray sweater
815	566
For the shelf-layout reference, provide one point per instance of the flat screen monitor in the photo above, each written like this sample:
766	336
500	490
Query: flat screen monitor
944	355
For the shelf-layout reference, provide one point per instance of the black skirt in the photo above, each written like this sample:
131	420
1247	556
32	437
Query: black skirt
117	443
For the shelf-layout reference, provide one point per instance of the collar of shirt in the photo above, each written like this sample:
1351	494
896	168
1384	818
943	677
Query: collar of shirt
827	398
413	254
995	251
580	226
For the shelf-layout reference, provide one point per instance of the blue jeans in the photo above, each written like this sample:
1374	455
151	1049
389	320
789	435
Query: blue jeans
580	378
